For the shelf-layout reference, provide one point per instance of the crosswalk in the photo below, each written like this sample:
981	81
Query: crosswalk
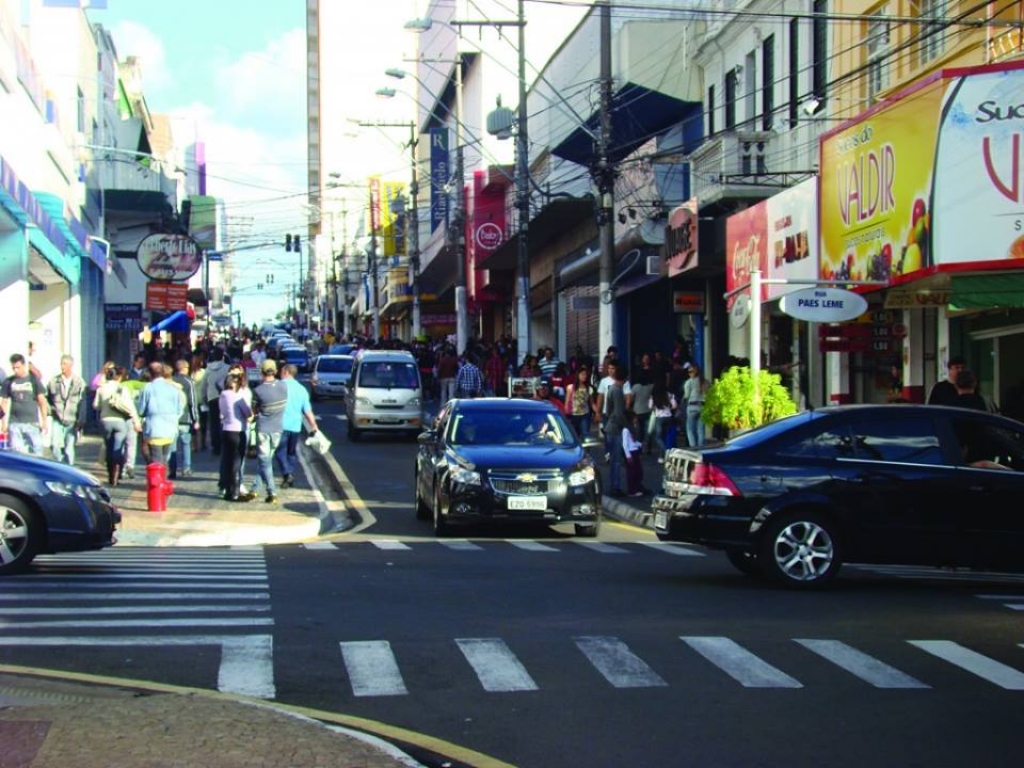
169	597
525	545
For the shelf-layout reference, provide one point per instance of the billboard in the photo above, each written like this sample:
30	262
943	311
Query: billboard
169	257
979	185
202	221
876	181
792	237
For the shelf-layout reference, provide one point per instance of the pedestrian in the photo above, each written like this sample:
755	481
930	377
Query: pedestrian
161	405
549	363
494	372
631	448
693	395
641	386
116	423
213	384
94	385
25	410
248	434
66	393
138	366
134	388
616	420
663	407
297	408
945	392
270	399
188	424
197	373
544	394
447	370
580	402
601	410
469	382
968	395
233	412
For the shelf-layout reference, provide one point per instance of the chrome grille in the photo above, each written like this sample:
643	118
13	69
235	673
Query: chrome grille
511	483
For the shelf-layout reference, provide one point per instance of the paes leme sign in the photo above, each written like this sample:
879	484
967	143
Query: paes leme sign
823	305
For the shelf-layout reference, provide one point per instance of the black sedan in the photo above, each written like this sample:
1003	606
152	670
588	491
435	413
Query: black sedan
906	484
494	460
49	507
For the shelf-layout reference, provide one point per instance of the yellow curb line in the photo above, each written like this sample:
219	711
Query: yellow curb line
377	728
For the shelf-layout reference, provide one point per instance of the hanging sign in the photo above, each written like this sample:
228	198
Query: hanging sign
823	305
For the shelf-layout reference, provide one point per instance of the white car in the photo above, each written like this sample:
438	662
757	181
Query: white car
331	376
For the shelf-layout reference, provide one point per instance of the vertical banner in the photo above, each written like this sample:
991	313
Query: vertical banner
439	172
375	222
746	249
793	237
392	228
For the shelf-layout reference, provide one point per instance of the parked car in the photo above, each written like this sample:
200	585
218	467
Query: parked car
48	507
501	461
330	376
907	484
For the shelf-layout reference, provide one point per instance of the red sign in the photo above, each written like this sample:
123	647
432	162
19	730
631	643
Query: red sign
746	248
166	297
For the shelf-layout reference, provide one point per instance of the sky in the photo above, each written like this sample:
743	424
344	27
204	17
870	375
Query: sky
232	73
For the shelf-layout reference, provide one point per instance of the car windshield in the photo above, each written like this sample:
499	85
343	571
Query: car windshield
389	375
334	365
480	427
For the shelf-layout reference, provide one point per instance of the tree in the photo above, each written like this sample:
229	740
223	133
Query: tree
731	401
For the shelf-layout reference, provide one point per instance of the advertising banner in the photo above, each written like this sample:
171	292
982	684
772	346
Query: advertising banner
169	257
166	297
876	180
746	248
792	237
439	171
979	183
122	317
202	221
392	223
681	238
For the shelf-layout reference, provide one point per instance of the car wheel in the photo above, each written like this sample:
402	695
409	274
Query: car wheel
440	524
745	562
801	549
422	510
588	530
21	534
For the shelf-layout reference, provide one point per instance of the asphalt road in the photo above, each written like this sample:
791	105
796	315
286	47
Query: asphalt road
542	650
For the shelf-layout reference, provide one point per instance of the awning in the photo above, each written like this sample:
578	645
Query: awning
988	291
176	322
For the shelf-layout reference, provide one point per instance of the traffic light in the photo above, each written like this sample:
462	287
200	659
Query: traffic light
298	245
287	242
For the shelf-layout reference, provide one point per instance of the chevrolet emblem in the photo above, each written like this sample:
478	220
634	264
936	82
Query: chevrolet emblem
527	477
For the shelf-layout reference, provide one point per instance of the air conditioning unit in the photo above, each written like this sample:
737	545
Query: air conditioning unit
654	265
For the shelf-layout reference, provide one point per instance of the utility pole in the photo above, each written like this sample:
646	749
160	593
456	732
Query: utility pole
413	239
372	265
523	204
604	175
459	222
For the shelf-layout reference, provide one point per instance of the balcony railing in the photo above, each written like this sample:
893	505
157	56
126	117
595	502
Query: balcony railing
733	165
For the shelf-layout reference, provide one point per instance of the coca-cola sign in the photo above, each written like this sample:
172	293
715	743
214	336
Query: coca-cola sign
171	258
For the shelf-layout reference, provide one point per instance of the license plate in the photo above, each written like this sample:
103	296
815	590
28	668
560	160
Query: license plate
661	520
538	503
389	420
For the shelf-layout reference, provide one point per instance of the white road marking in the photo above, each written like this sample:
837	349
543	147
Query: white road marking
319	545
619	665
98	581
372	668
122	576
672	549
995	672
246	661
103	624
600	546
531	546
495	665
740	664
460	545
867	668
126	609
127	596
389	544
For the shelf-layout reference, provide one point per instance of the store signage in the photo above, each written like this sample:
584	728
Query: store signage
739	313
167	297
488	236
681	238
688	302
169	257
823	305
439	171
917	299
122	317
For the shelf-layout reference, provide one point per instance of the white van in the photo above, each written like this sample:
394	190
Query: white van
385	393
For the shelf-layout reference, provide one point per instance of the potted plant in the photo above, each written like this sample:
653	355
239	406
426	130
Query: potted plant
732	403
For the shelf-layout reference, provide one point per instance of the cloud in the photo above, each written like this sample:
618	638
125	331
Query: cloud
134	39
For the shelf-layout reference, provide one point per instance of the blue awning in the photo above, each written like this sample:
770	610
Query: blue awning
176	322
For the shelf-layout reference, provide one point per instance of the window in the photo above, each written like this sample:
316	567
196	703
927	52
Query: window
878	53
933	35
80	112
750	90
904	441
767	82
988	446
731	83
794	71
711	110
832	443
819	52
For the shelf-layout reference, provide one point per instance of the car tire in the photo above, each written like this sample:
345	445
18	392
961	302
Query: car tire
21	535
745	562
422	510
441	527
588	530
801	549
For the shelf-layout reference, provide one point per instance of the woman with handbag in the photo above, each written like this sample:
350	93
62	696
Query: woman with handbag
234	414
118	416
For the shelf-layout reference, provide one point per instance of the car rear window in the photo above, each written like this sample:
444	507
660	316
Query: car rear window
333	365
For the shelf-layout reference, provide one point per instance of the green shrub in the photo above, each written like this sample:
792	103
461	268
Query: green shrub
730	402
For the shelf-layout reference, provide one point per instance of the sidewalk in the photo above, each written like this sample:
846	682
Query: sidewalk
197	517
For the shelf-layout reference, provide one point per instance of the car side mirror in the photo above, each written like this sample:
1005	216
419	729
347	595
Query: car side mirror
427	438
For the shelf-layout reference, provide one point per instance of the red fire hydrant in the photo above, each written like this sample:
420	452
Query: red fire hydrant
158	487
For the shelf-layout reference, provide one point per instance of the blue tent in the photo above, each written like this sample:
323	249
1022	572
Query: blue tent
176	322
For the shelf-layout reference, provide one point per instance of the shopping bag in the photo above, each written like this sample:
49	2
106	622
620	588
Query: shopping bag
319	443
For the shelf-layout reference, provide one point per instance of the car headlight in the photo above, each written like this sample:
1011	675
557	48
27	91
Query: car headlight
582	476
465	476
414	402
69	489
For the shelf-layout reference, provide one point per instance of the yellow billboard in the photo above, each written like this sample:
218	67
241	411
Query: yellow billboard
876	181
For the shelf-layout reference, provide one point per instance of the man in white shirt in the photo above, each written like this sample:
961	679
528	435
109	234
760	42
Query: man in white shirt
602	391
